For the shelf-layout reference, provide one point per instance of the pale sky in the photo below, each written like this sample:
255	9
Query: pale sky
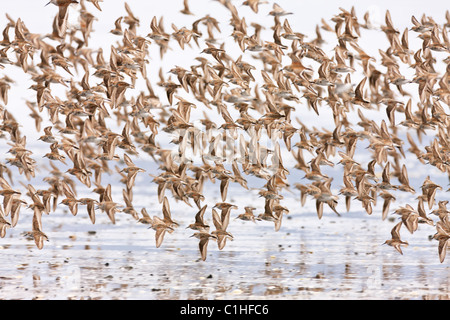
306	15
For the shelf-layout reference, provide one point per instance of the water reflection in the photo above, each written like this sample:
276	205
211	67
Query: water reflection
306	259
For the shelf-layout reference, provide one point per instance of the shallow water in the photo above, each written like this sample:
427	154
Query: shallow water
337	257
332	258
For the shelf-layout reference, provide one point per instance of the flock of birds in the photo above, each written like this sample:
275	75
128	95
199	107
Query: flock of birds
80	139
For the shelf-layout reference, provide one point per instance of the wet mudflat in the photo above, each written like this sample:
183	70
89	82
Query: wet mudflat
332	258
